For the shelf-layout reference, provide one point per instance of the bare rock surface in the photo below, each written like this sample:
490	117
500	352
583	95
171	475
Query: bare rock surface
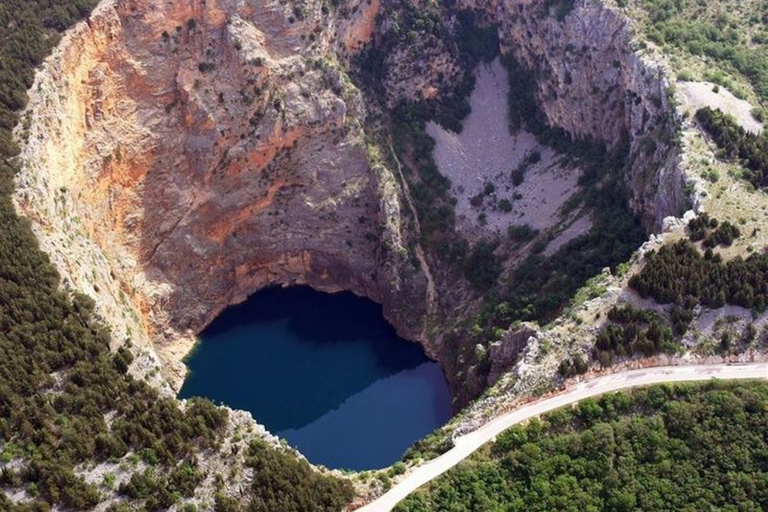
593	83
184	155
486	153
697	95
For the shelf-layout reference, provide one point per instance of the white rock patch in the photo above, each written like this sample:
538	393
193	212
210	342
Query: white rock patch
486	153
696	95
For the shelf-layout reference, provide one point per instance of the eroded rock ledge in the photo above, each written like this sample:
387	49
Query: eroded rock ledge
593	83
184	155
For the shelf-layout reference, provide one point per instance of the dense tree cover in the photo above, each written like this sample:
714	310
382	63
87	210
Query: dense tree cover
541	285
735	143
711	29
413	21
58	377
670	447
289	484
632	331
482	267
678	273
523	111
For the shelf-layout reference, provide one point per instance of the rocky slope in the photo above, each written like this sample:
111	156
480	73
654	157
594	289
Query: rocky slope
593	83
184	155
590	80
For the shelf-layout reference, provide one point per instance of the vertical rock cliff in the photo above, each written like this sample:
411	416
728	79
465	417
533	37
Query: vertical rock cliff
183	155
592	82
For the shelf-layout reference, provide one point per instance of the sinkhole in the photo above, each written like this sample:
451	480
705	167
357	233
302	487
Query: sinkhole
325	372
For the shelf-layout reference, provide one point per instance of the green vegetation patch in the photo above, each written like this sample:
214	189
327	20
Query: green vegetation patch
735	143
678	273
632	331
288	484
732	34
669	447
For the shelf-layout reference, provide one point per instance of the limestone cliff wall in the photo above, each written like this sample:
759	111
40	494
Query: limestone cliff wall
591	80
593	83
185	154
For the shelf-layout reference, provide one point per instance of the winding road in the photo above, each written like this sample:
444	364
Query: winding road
468	443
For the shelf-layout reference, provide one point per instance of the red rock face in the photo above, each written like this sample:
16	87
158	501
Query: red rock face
212	148
185	154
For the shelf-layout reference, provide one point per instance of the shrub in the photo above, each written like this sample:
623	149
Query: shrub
735	142
522	234
518	176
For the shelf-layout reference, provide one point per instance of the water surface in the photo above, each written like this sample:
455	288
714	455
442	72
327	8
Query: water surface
325	372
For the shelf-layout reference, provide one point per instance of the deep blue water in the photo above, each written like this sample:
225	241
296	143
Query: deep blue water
324	371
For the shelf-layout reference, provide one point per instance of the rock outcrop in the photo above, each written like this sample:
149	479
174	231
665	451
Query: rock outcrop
184	155
593	83
505	353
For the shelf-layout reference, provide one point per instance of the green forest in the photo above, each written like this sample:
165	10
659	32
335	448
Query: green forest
735	143
685	447
49	425
680	271
733	36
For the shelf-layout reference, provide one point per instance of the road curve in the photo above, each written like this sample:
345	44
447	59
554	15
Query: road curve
468	443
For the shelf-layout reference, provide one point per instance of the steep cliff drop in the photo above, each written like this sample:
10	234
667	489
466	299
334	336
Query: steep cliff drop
184	155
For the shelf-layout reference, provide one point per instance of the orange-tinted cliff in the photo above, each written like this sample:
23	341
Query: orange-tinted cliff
186	154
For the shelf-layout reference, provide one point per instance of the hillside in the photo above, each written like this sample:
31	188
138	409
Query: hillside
659	448
59	380
533	191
